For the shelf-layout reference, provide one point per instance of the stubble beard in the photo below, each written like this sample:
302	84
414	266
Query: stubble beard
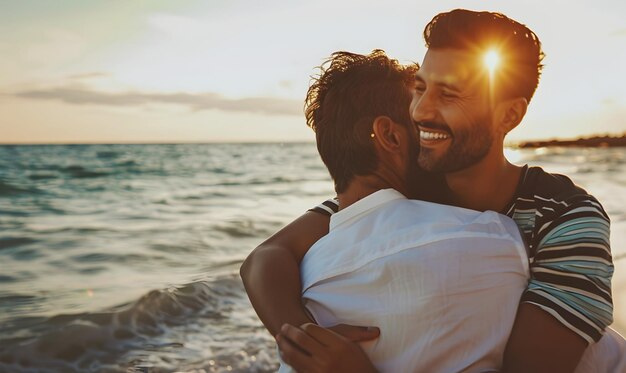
469	146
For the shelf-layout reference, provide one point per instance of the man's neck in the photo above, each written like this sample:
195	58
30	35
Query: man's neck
361	187
488	185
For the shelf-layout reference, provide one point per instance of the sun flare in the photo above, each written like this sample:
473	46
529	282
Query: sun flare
492	59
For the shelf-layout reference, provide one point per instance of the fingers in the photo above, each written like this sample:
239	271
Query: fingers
312	348
323	336
301	339
292	355
356	333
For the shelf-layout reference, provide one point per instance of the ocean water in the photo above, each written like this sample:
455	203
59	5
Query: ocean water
125	258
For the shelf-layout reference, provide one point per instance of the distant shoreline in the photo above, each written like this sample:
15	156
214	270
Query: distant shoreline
605	141
587	142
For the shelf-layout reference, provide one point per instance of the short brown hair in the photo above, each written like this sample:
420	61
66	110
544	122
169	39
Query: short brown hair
471	30
342	103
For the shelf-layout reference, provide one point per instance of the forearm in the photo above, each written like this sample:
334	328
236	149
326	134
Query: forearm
271	276
540	343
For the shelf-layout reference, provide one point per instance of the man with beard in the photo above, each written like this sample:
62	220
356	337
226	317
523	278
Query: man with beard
463	111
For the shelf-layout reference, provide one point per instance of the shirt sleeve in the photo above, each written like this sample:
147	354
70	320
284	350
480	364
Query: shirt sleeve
328	207
572	267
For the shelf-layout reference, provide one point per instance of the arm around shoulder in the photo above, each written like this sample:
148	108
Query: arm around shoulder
568	303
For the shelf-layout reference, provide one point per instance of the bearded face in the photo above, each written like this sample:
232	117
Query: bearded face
451	109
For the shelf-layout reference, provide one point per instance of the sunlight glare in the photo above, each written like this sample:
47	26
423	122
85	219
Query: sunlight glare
492	59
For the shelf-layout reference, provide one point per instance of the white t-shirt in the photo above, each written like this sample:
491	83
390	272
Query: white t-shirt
442	283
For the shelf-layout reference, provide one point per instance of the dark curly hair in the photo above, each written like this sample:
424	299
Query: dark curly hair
471	30
342	103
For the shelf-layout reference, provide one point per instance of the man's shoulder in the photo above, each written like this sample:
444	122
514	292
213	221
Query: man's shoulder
538	182
544	201
402	214
435	217
553	193
428	210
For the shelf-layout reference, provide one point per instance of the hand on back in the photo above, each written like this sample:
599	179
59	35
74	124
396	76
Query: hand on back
312	348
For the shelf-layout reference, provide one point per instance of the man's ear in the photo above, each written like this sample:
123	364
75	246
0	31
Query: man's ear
510	113
387	134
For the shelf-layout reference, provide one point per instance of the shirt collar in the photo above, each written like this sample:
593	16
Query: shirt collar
363	206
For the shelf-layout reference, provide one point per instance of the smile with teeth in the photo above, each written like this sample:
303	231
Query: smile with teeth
425	135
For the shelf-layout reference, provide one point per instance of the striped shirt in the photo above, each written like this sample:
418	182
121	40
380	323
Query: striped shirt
566	231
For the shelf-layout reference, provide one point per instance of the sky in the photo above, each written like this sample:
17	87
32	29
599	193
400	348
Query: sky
158	71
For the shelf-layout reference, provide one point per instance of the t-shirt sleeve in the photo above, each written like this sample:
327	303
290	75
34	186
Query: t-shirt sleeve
572	268
328	207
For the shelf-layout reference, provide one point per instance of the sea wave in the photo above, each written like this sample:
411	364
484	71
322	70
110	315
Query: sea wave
242	228
8	242
77	171
100	341
8	189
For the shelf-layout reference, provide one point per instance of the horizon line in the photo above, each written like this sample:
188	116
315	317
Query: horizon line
299	141
160	143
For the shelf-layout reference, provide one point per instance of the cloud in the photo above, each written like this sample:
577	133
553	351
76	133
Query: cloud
91	75
194	101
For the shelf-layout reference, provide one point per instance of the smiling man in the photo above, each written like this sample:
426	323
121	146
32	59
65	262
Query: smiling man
464	108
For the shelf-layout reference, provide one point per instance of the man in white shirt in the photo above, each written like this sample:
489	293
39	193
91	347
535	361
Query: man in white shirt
443	283
421	272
